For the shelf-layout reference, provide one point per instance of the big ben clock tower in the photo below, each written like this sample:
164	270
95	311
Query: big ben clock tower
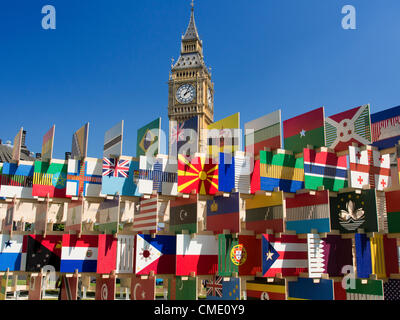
191	91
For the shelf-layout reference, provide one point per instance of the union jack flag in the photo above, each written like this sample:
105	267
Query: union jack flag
114	168
177	133
214	287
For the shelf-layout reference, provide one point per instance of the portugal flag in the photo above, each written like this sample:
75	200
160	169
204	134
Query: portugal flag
305	129
197	176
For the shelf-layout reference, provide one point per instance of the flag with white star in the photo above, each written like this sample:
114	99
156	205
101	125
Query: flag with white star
11	252
303	130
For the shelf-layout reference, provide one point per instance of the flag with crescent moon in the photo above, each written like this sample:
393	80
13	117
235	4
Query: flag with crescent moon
143	289
183	214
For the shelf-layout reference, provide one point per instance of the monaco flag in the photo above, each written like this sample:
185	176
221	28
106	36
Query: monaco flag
198	254
369	167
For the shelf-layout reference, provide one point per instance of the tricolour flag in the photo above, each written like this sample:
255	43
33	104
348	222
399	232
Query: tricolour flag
223	213
50	179
286	255
147	217
11	252
17	180
223	136
393	211
113	141
47	145
84	177
43	252
345	128
376	255
155	254
197	176
263	289
265	212
351	211
16	151
184	137
303	130
148	139
183	214
308	289
79	253
305	212
221	289
120	176
324	169
143	289
264	132
157	175
281	170
198	254
369	167
125	251
80	142
385	127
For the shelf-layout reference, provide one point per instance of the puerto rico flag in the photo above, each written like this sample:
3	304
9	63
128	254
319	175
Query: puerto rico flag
287	255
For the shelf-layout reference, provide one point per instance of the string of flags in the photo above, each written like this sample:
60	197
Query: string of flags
316	220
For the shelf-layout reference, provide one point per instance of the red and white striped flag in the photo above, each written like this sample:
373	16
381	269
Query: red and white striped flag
147	217
287	255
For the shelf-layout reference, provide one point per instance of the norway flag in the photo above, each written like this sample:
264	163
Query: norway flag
155	254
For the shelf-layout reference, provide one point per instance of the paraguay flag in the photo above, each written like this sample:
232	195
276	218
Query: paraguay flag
79	253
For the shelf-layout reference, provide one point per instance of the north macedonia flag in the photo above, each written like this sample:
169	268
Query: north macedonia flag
197	176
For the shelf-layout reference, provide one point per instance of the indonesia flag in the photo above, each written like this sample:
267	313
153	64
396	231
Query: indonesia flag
287	255
198	254
155	254
79	253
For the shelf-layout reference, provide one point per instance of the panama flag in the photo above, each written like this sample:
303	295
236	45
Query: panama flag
347	127
198	254
11	252
79	253
286	255
324	169
155	254
303	130
369	167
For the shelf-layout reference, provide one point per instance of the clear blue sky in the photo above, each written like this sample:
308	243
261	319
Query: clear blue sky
110	60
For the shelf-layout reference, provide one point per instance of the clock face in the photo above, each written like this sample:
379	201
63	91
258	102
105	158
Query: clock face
185	93
209	97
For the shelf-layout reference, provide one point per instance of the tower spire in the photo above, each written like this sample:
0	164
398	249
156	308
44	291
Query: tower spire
191	32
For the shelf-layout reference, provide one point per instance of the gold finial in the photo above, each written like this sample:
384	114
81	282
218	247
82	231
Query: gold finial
192	4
